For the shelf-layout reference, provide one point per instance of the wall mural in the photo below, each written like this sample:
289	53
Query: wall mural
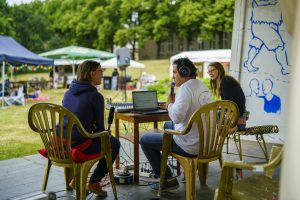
266	36
265	33
271	101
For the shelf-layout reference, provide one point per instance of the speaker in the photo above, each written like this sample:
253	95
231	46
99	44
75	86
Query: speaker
123	57
184	71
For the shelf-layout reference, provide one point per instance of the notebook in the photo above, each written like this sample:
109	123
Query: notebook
145	102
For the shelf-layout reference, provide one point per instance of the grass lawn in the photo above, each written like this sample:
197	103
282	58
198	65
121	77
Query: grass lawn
18	140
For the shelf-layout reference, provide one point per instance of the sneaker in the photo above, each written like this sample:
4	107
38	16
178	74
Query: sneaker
170	184
96	188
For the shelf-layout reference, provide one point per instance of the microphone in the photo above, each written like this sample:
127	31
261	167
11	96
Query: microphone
172	88
111	116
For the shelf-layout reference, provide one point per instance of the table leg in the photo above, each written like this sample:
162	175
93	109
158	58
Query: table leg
155	125
136	152
117	135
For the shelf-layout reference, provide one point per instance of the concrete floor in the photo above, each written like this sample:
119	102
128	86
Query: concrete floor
22	178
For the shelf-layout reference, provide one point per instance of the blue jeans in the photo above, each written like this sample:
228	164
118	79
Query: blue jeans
101	169
151	144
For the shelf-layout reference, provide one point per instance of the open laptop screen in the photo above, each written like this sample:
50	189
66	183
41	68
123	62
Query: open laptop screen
144	100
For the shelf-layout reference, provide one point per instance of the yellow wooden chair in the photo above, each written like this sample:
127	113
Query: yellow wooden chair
255	187
213	121
48	120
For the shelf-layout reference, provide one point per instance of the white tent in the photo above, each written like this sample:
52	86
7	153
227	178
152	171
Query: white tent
207	56
112	63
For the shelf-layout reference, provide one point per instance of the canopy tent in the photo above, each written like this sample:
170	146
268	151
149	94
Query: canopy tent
61	62
207	56
74	53
77	53
112	63
14	53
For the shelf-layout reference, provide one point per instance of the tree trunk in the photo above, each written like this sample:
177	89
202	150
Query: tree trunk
158	50
221	46
133	50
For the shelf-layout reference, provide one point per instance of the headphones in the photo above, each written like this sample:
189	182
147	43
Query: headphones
184	71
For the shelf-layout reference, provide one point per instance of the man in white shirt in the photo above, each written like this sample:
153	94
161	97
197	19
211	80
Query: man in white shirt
191	95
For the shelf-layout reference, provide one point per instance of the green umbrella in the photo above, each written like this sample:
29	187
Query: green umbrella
75	53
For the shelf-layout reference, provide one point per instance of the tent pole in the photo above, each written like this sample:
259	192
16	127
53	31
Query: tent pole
73	67
53	79
3	81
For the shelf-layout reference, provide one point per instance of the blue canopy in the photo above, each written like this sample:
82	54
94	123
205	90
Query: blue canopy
13	52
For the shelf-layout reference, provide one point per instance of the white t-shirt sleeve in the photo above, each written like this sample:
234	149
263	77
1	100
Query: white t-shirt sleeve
177	111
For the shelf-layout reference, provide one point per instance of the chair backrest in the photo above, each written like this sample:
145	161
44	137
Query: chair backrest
54	123
213	121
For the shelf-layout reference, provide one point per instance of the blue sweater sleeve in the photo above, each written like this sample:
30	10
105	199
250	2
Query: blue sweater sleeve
98	105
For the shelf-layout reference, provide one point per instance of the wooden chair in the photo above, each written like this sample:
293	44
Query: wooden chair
213	121
54	123
255	187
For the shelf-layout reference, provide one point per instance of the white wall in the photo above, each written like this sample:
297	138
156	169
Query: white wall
261	45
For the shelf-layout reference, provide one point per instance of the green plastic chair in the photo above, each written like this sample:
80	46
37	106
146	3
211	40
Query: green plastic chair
213	121
48	120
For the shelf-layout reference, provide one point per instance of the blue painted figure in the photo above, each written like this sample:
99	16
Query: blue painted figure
272	103
265	33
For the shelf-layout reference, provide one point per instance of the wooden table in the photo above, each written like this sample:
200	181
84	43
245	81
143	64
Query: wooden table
136	119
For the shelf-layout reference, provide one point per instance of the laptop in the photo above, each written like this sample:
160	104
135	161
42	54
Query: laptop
145	102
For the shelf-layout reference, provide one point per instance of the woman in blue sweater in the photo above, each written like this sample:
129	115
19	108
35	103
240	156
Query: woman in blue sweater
227	88
87	104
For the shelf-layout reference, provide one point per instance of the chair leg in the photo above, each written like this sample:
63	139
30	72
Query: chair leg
47	170
68	176
163	168
111	174
78	182
227	143
202	172
240	148
260	139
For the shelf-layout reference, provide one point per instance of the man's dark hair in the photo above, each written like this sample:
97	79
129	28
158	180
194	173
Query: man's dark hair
185	64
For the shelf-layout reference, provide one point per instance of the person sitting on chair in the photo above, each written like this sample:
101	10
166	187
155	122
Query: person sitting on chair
191	95
228	88
16	97
83	99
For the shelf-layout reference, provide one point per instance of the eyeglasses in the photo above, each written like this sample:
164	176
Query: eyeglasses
211	71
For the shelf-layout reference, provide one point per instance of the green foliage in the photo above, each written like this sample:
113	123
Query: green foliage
6	20
43	25
220	21
162	87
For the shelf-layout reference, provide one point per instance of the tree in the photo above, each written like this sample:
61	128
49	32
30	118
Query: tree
164	22
191	15
32	26
219	21
129	27
6	21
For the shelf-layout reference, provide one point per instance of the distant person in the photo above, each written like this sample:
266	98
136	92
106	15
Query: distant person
51	76
228	88
191	95
83	99
16	97
36	94
114	79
